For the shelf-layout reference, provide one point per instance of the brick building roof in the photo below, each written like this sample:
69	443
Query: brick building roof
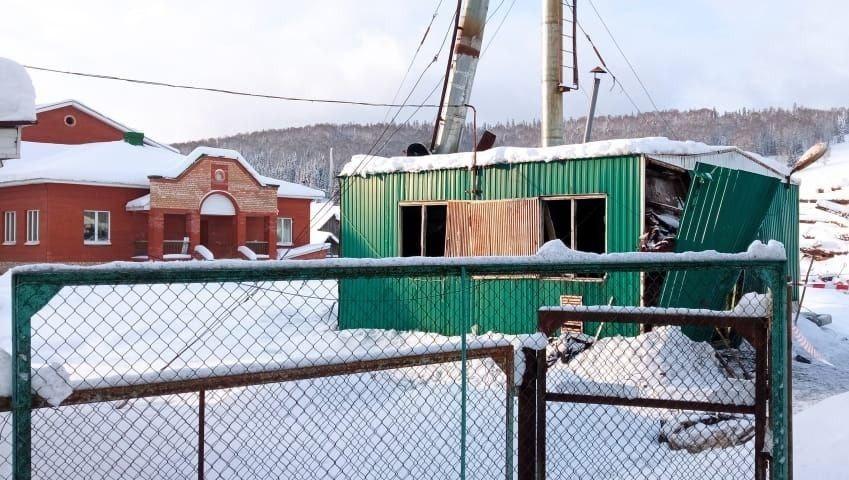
120	164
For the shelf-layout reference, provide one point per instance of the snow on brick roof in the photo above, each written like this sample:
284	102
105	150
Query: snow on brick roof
17	95
367	164
292	190
119	164
112	163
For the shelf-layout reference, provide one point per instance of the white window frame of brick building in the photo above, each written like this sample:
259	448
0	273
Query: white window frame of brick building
280	240
97	238
9	226
33	231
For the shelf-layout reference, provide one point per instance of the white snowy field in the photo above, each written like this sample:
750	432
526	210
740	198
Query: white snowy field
401	423
821	390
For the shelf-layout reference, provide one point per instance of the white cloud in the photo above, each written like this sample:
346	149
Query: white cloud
721	53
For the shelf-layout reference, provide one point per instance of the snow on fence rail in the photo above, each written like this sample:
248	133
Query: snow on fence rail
151	343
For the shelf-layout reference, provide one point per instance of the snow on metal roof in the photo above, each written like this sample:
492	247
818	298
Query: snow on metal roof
140	204
293	253
120	164
45	107
17	95
321	212
652	146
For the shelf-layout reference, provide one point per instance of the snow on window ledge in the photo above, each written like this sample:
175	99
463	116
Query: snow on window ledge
284	244
91	242
9	243
33	243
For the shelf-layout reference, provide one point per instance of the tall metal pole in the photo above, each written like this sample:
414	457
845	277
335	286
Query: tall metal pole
330	172
591	115
461	77
552	69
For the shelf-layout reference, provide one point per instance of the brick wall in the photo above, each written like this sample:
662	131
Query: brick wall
51	128
20	199
189	189
299	211
61	209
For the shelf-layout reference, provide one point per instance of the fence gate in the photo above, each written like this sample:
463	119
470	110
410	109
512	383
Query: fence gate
659	405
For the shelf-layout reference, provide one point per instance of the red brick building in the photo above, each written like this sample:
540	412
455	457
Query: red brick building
87	189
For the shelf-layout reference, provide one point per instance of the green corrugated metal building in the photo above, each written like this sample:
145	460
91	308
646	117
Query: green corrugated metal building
716	198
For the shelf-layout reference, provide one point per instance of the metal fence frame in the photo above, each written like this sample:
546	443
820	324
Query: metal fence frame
754	329
32	289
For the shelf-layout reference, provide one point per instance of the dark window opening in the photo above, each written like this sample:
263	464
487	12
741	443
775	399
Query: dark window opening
666	193
423	230
589	225
434	240
557	221
411	231
578	222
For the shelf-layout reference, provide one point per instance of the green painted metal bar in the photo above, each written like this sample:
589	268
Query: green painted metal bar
386	268
27	299
780	405
465	312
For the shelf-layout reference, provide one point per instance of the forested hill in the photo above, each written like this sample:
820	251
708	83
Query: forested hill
301	154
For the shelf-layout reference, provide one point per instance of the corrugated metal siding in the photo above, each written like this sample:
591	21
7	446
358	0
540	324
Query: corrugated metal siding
723	212
501	227
782	223
369	213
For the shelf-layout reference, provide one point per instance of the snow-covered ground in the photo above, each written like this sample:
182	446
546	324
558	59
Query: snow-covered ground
820	388
402	423
350	425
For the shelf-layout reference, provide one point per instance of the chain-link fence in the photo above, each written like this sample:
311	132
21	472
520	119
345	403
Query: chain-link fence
389	369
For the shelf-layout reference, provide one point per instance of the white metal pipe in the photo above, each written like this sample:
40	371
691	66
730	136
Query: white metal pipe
588	130
552	68
460	79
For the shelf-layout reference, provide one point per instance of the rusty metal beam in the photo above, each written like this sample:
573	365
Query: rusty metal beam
550	320
502	356
649	403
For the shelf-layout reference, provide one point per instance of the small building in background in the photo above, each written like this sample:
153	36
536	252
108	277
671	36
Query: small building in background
88	189
17	107
324	226
649	194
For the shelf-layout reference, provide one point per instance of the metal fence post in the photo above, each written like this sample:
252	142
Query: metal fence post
465	312
27	299
527	418
201	433
540	409
779	373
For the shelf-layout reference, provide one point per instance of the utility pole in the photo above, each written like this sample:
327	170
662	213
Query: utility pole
591	115
330	172
552	69
467	47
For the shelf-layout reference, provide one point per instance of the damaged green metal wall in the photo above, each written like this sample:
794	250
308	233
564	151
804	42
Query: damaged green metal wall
725	211
782	223
370	229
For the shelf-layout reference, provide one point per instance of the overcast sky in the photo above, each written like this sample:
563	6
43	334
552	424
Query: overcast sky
725	54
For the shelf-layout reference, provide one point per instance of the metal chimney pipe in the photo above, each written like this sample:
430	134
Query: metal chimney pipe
591	115
461	77
552	68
